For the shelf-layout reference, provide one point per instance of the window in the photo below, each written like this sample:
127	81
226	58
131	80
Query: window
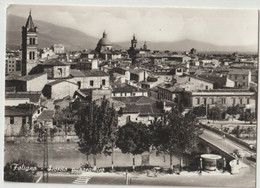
241	101
189	79
235	84
247	101
207	87
236	77
212	101
79	84
33	41
103	82
11	120
198	100
244	84
23	119
91	83
244	77
128	119
223	100
60	71
234	101
205	101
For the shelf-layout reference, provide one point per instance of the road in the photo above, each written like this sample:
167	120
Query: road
227	145
244	179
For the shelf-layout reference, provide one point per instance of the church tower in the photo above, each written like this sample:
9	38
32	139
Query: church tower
133	42
145	46
29	46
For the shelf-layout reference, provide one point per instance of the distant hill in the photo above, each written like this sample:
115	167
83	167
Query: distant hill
186	45
76	40
49	34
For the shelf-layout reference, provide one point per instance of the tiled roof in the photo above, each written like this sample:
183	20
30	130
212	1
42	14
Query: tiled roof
46	114
238	71
29	77
201	78
127	89
33	96
137	100
55	82
20	110
90	73
221	81
143	110
53	62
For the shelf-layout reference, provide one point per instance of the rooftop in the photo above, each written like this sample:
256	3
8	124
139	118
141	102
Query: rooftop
238	71
20	110
33	96
128	89
46	114
89	73
53	62
137	100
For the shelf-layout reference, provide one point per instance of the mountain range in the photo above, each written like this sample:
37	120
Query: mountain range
74	39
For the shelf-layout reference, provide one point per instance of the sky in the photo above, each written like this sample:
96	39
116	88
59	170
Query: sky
216	26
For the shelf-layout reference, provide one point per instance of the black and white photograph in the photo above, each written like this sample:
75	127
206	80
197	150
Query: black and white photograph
130	96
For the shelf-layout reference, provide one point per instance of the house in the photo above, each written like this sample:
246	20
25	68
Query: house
92	94
54	69
12	65
128	91
193	83
169	93
59	89
138	75
139	109
46	118
89	79
35	82
88	64
219	82
241	77
19	119
58	48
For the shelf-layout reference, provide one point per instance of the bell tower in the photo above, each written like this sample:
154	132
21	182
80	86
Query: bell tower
133	42
29	45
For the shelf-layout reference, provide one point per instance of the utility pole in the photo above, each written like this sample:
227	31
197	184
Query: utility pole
45	156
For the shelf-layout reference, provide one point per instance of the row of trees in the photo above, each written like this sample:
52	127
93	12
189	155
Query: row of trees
98	132
215	113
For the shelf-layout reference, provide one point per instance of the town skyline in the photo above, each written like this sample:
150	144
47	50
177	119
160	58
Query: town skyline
204	25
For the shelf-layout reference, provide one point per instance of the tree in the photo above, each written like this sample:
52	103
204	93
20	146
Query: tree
233	110
175	133
199	111
15	175
215	113
133	138
63	117
96	128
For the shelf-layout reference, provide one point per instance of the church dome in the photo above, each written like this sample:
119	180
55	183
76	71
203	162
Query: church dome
104	41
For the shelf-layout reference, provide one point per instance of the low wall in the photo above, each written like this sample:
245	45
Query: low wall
55	139
231	137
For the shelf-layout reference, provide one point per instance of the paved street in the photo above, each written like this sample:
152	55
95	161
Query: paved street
243	179
226	144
